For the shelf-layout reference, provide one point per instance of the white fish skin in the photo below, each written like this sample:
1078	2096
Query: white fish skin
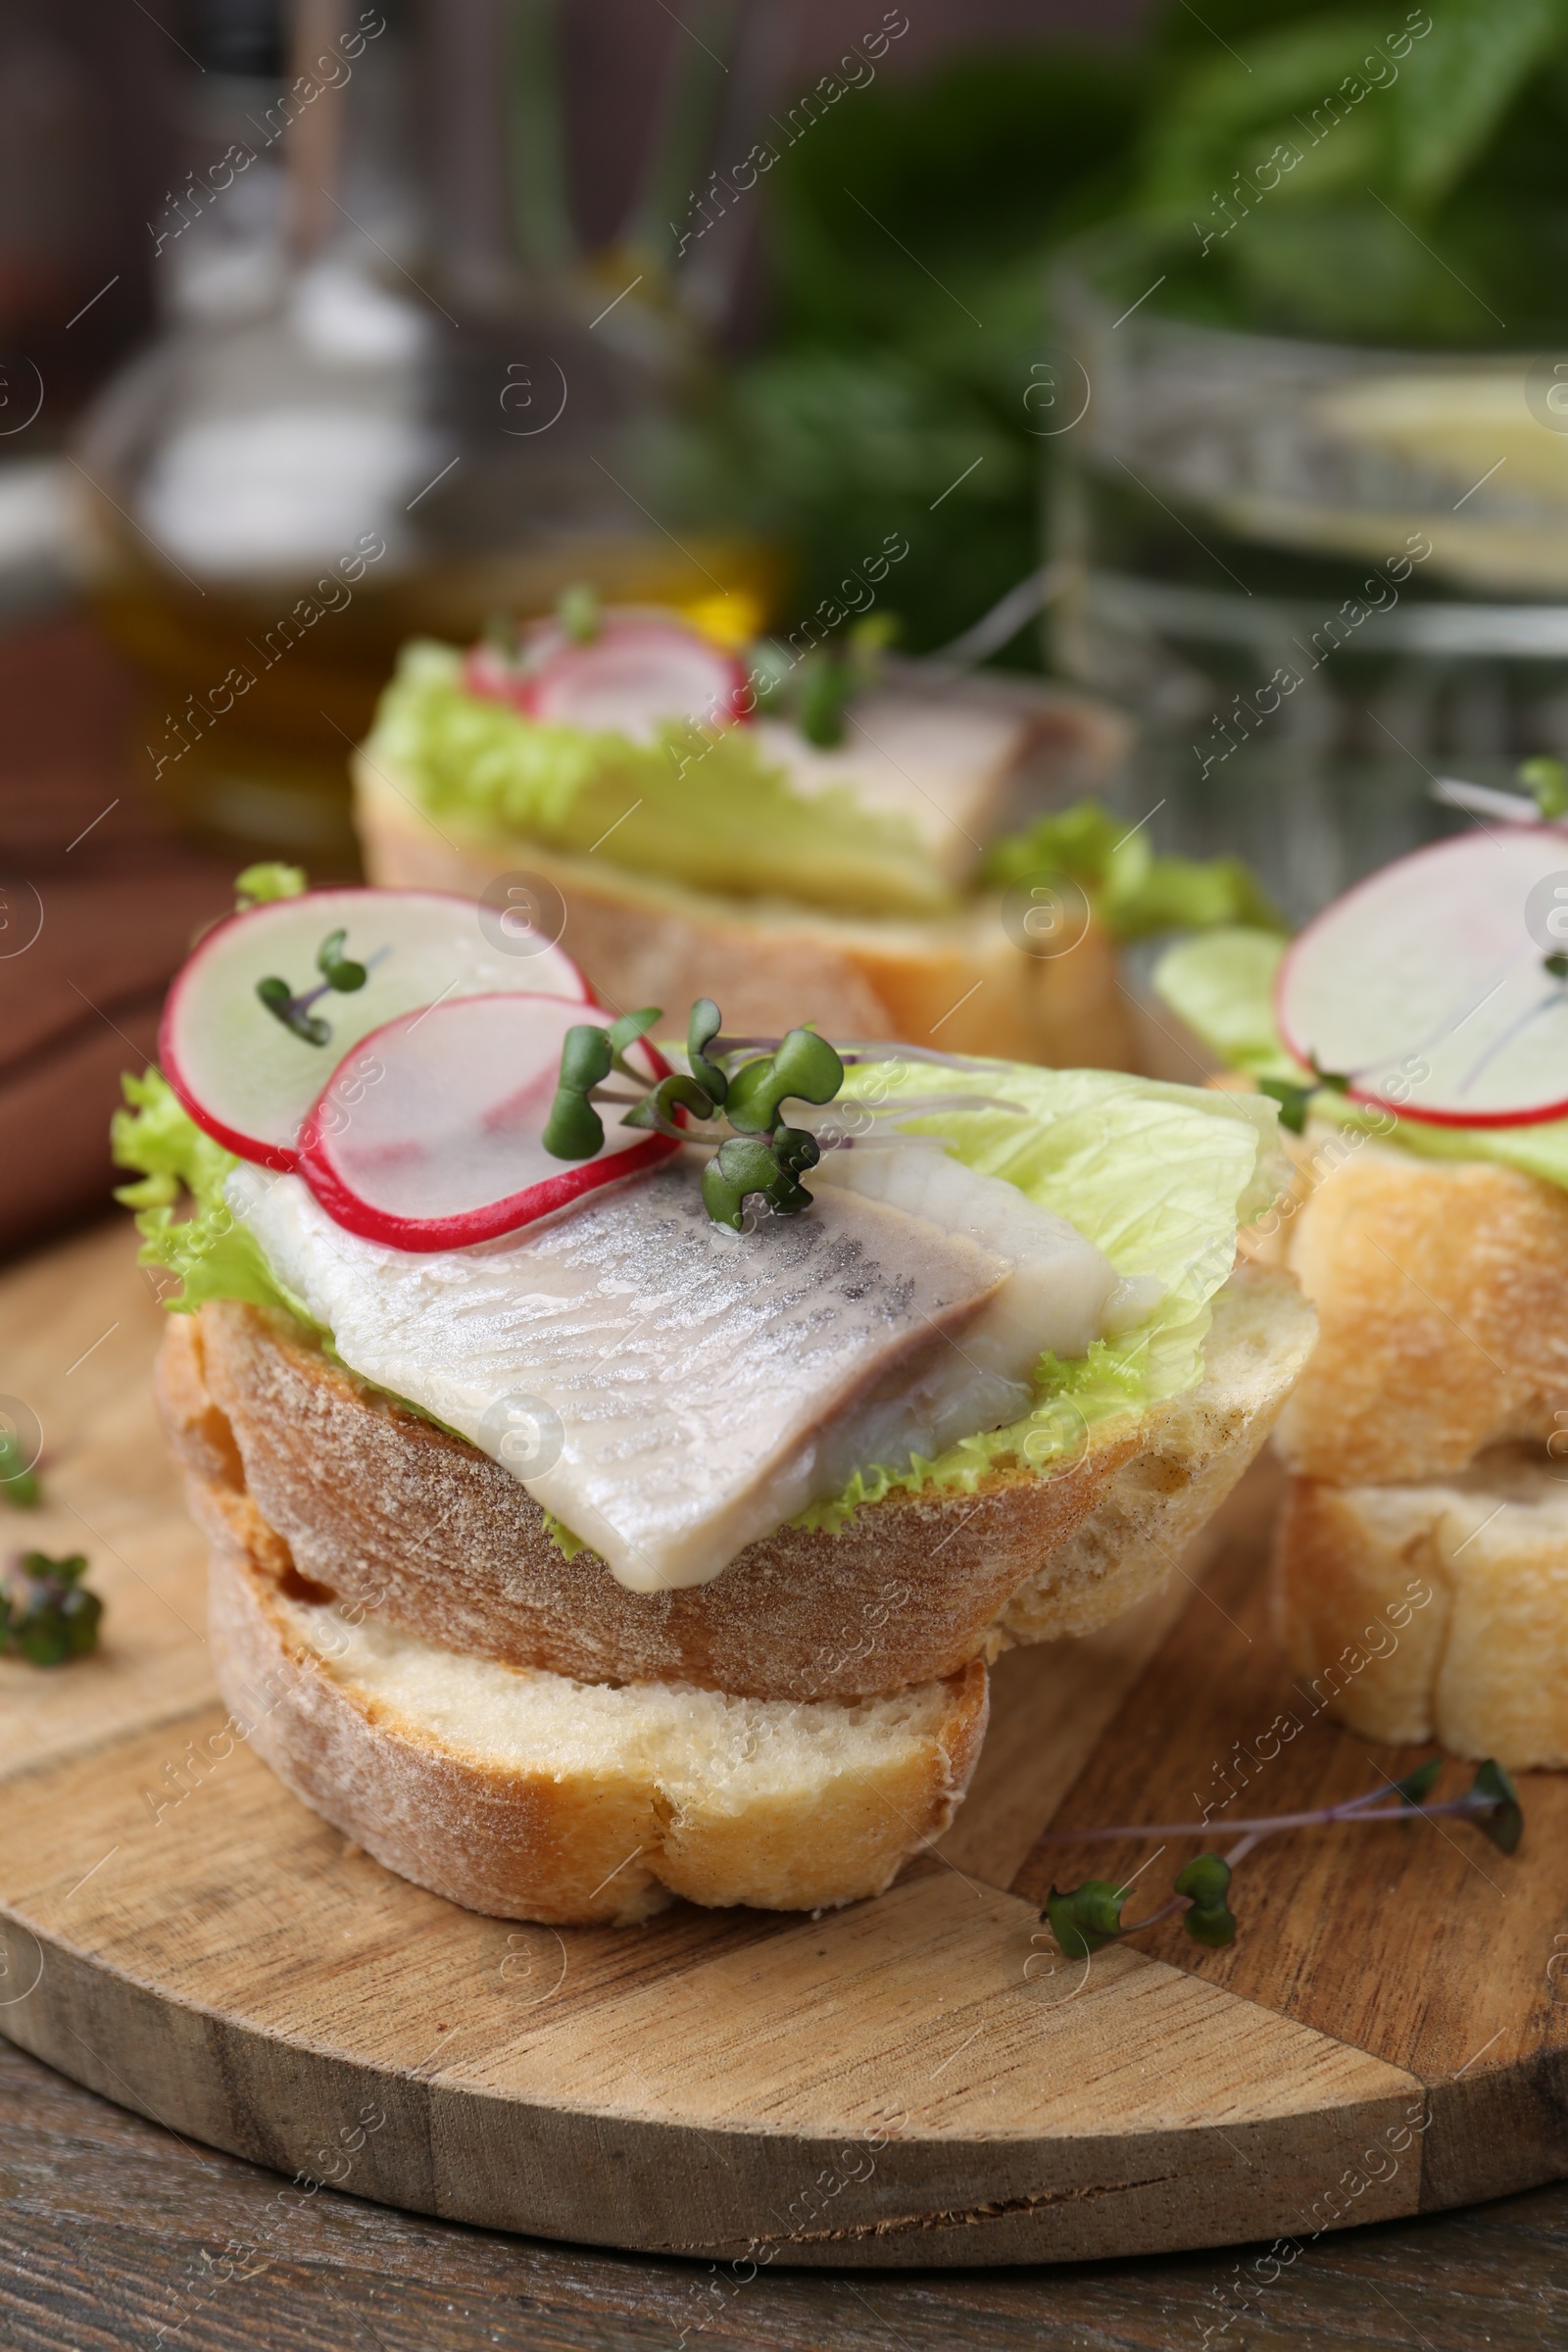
693	1377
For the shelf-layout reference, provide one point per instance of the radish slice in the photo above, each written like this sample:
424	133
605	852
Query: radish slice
429	1135
1428	986
248	1080
640	671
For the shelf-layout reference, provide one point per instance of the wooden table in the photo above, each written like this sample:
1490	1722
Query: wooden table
101	2214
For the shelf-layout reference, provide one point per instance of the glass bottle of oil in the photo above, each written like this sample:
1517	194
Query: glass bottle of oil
375	417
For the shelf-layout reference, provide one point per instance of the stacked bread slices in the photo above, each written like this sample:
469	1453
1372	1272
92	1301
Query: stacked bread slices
1423	1552
493	1715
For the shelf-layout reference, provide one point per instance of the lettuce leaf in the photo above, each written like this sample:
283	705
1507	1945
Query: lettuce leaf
696	806
1134	893
186	1225
1223	987
1158	1176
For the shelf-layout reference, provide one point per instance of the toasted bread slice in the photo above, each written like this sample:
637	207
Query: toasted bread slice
1441	1286
956	981
385	1510
1436	1611
531	1795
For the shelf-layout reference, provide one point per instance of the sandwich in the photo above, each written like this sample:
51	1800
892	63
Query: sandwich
1416	1037
624	1446
896	843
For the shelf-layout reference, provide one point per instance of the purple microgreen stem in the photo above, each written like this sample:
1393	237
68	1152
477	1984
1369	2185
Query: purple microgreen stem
1356	1807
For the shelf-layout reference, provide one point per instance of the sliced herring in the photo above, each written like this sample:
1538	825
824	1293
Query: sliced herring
690	1375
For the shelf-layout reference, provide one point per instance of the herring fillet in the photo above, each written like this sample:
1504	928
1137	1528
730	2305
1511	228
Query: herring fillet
688	1373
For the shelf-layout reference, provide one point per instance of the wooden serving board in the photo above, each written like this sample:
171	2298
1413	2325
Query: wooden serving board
914	2081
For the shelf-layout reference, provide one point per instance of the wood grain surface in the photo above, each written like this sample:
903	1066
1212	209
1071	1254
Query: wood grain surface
912	2081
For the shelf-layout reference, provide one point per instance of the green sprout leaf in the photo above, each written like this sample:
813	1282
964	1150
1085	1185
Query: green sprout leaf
658	1110
1294	1102
823	689
259	884
804	1067
1416	1786
1084	1918
1334	1080
1205	1882
627	1031
54	1618
18	1483
701	1030
578	613
1546	780
741	1166
1504	1822
1556	966
574	1130
339	971
282	1004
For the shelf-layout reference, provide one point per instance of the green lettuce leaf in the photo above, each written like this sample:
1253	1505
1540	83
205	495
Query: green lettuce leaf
1158	1176
186	1225
698	807
1134	893
1223	987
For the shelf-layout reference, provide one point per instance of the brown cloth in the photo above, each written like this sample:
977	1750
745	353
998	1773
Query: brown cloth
99	901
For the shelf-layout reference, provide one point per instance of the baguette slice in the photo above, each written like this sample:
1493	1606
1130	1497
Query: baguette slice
1436	1611
382	1510
957	981
1441	1286
531	1795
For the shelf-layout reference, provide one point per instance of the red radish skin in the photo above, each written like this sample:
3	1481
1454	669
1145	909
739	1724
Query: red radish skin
1422	871
331	907
491	1220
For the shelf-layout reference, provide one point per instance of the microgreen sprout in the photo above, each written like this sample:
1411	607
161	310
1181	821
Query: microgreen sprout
19	1480
757	1151
49	1616
1295	1096
814	691
340	974
258	885
1083	1919
1546	781
580	614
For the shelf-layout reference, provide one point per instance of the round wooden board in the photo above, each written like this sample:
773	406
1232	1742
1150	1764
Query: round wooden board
914	2081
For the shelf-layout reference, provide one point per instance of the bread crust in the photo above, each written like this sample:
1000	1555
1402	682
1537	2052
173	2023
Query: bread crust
385	1510
1441	1288
646	941
556	1834
1436	1611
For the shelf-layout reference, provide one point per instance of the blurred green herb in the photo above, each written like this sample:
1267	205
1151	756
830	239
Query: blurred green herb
47	1615
911	230
257	885
1084	1919
1546	782
19	1480
908	231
